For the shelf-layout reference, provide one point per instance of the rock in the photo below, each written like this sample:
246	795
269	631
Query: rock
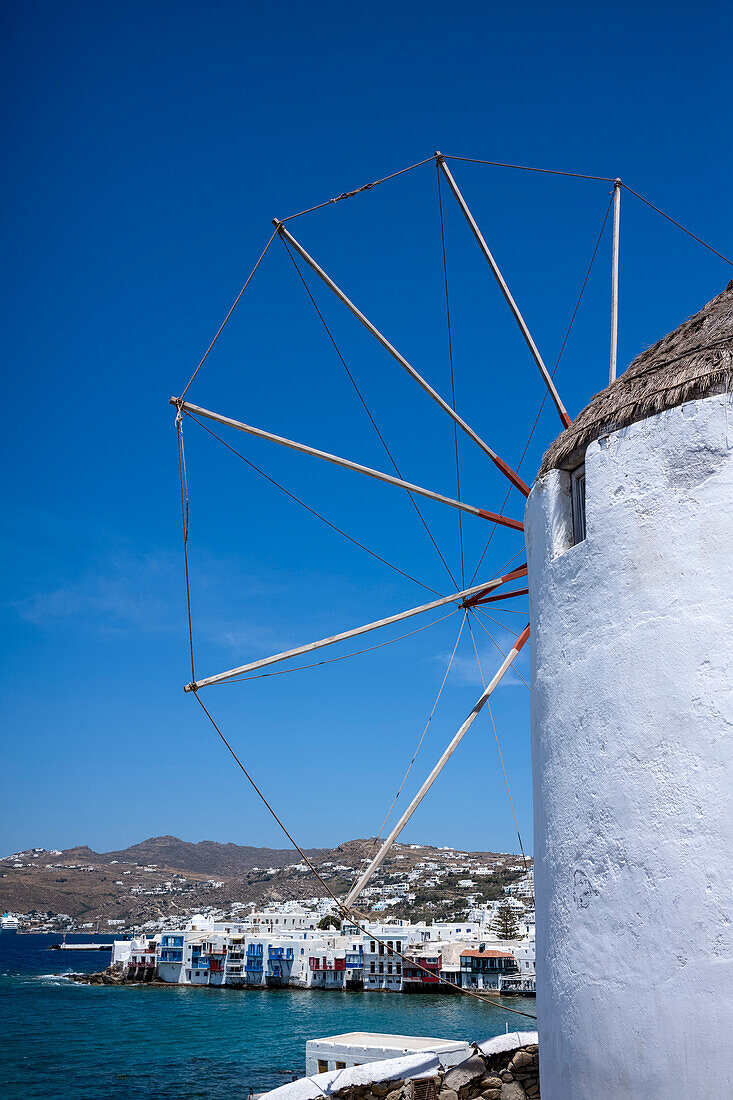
512	1091
521	1058
492	1081
532	1048
448	1094
532	1091
380	1088
396	1094
492	1094
464	1074
506	1075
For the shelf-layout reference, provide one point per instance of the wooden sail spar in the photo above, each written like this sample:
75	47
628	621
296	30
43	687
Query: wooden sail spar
457	597
614	281
378	475
498	462
505	291
451	748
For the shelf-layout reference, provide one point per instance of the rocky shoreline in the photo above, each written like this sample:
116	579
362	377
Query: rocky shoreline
111	977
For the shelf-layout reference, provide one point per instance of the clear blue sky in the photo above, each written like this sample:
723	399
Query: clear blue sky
147	146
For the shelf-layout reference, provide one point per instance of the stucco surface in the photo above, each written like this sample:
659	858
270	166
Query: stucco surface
511	1041
632	716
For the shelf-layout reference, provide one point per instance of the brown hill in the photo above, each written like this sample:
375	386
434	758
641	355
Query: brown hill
207	857
164	877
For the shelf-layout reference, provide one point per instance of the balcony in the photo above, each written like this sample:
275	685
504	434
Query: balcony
479	966
171	955
323	964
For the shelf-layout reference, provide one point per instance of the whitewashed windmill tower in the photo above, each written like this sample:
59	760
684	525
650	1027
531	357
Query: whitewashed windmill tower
630	552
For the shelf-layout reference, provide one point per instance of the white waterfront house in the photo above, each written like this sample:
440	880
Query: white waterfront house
629	531
283	919
355	1048
382	961
461	930
525	953
483	967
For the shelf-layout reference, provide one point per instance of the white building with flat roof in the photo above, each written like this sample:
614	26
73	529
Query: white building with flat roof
354	1048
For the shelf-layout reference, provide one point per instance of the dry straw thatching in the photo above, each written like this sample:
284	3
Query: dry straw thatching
693	361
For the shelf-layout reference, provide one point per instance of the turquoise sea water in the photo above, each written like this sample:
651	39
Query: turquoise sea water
61	1039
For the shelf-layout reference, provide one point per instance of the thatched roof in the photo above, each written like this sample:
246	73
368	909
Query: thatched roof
693	361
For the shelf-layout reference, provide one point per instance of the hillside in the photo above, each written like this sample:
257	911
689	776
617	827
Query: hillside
165	878
207	857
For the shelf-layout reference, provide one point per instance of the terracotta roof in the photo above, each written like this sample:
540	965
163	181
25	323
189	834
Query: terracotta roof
693	361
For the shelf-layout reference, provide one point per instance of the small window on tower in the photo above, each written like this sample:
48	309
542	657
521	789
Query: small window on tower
578	489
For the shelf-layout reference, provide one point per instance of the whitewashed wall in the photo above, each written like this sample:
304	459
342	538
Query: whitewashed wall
632	723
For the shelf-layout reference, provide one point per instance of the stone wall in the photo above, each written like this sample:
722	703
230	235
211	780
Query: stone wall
501	1075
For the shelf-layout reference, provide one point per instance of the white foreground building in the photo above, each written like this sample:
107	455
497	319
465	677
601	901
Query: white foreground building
355	1048
629	534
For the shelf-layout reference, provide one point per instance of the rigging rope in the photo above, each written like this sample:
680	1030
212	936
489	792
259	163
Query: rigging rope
670	219
509	611
378	837
369	414
452	380
552	375
312	510
503	626
525	168
498	747
348	914
231	311
494	642
500	571
358	190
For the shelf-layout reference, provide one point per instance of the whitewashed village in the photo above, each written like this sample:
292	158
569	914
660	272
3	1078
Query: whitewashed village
306	946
